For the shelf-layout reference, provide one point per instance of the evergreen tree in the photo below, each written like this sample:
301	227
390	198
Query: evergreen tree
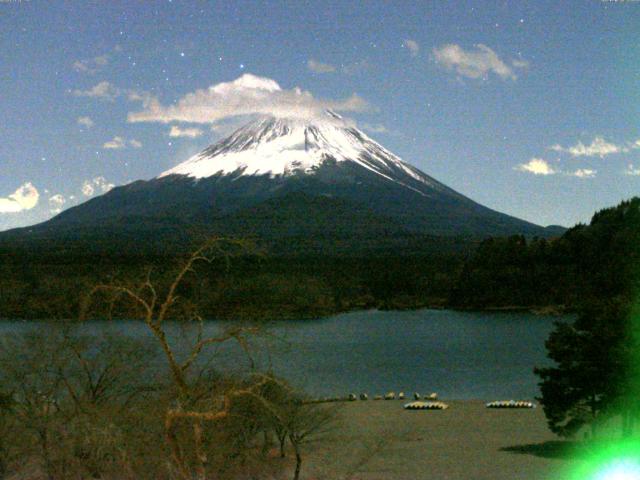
597	357
588	379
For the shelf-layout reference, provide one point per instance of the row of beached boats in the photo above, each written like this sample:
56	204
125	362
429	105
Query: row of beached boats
400	396
510	404
442	406
352	397
424	402
417	405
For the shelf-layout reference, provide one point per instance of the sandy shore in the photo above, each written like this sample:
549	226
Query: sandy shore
381	440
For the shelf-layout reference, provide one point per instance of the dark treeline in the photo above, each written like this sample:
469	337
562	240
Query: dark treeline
587	261
245	287
497	273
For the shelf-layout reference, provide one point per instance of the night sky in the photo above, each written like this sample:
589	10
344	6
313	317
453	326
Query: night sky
531	108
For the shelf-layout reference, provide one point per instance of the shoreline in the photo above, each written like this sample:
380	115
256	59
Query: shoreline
547	310
378	440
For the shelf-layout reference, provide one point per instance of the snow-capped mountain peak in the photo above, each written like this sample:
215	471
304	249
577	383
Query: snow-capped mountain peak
311	180
276	146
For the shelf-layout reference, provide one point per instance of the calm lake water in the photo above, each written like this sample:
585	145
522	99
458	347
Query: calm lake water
459	355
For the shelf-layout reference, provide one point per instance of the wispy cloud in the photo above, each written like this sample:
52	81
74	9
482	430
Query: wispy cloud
583	173
88	188
412	46
374	128
540	166
599	147
24	198
537	166
103	90
139	96
632	171
56	202
478	62
96	185
177	132
319	67
116	143
355	67
85	122
247	95
520	63
91	65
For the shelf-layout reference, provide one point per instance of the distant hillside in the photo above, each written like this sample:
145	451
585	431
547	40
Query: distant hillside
587	260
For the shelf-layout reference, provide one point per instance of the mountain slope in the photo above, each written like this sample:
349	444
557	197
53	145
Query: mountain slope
277	177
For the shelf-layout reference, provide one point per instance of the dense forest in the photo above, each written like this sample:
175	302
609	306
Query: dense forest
247	286
587	261
48	281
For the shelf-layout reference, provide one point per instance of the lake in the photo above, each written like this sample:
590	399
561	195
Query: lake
462	355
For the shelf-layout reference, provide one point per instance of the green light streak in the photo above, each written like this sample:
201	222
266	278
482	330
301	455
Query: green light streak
619	459
610	461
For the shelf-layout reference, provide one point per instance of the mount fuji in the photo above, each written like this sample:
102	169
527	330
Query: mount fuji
281	178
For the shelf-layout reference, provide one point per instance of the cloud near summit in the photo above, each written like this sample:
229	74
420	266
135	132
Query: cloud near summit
247	95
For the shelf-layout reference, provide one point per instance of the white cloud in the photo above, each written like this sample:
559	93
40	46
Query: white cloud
176	131
247	95
115	144
56	202
118	143
599	147
24	198
87	188
475	63
85	122
632	171
584	173
319	67
537	166
102	184
412	46
96	185
103	90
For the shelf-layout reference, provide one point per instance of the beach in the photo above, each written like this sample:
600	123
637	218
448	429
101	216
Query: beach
378	440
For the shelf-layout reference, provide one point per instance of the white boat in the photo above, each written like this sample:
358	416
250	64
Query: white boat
426	406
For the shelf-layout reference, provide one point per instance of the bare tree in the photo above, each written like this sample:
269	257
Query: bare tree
306	423
68	394
29	367
108	370
156	308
